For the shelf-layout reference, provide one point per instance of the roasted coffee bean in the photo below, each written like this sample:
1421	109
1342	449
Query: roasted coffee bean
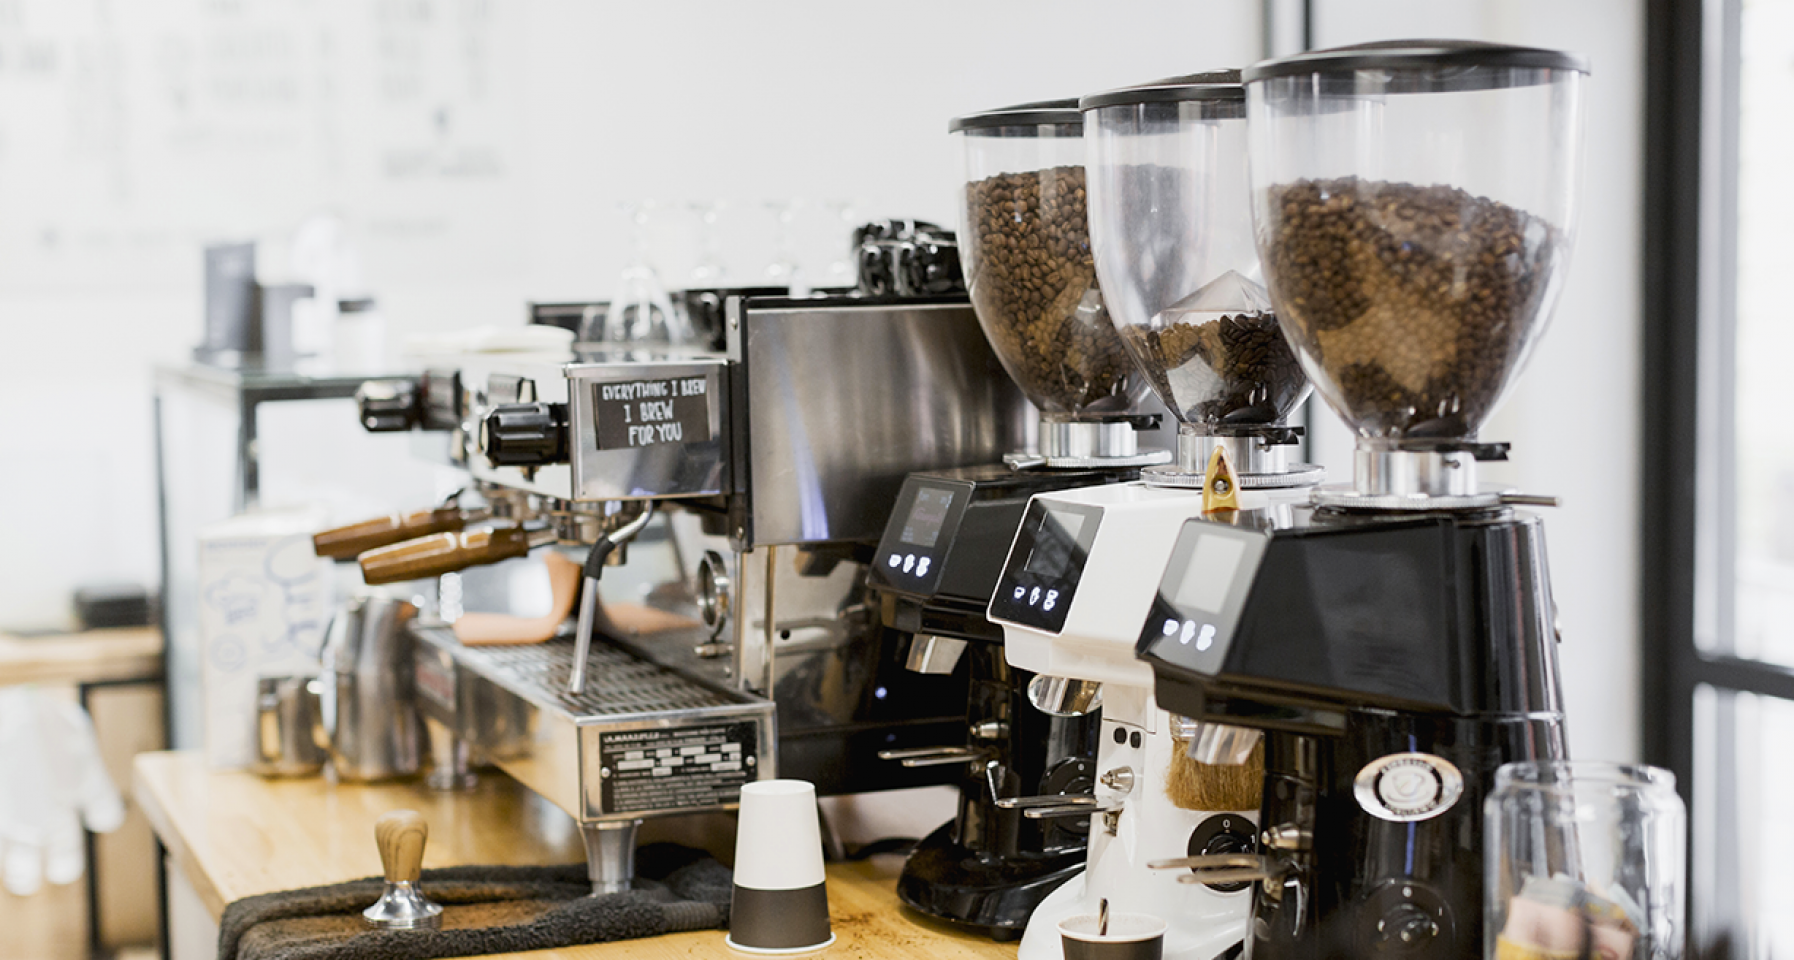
1033	283
1233	370
1418	301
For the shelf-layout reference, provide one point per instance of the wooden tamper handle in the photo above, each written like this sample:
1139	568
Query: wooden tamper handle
443	553
347	543
401	836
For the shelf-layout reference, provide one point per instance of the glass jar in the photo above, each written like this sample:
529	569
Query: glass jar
1583	859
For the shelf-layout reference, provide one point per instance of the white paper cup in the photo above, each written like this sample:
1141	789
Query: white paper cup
780	903
1131	936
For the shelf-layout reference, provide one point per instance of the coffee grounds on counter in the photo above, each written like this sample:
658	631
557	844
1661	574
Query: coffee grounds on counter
1418	301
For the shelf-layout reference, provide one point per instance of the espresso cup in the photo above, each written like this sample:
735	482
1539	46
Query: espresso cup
1131	936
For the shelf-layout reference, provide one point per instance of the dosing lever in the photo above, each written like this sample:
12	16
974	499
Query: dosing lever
1214	868
931	756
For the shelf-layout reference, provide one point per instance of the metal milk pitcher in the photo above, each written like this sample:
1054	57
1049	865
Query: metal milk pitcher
368	693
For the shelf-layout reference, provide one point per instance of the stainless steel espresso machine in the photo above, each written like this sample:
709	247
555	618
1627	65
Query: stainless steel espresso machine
1395	638
753	483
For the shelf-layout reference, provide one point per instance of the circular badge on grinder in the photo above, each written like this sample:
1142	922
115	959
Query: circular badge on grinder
1404	787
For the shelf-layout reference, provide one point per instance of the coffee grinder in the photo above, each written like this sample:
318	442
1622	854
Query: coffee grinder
1025	792
1170	226
1395	639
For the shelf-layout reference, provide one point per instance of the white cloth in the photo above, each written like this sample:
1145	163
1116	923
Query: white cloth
52	782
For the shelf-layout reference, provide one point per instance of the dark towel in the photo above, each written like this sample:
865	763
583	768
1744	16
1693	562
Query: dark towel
485	910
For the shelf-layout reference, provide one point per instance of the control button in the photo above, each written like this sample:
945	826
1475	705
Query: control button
1052	600
1206	638
1171	628
1189	632
895	561
909	561
1020	592
922	566
1034	597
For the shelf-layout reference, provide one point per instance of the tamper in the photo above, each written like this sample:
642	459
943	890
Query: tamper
401	835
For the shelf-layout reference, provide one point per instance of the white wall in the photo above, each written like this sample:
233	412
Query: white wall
477	149
1573	416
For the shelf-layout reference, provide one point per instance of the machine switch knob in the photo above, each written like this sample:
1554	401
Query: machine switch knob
388	406
1120	779
525	434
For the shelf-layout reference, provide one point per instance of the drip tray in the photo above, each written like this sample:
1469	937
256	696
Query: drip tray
642	740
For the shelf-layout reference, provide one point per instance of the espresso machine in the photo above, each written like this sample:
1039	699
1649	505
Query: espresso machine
1026	774
1395	638
737	495
1171	232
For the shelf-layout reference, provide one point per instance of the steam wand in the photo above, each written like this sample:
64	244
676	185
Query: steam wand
588	594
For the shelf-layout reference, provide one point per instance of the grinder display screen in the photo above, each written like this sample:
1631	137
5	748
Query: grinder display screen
1053	545
923	526
1210	574
1202	593
1045	564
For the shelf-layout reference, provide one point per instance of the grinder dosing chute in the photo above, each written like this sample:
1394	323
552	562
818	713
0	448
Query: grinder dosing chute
1025	238
1171	225
1413	203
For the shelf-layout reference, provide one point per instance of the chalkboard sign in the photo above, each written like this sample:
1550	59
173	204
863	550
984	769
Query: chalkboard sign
643	413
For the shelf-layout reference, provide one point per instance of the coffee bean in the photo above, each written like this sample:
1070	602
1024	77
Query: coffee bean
1418	301
1233	370
1033	283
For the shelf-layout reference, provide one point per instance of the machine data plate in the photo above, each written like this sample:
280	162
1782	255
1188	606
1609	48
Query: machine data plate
674	768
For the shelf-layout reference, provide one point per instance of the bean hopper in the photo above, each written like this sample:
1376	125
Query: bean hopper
1171	230
1026	776
1394	640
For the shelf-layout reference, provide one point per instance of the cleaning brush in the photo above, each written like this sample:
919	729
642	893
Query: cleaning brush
1193	785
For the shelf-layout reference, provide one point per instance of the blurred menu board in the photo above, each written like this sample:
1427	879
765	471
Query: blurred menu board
132	132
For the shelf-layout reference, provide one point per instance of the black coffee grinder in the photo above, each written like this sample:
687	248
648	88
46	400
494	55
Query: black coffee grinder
1396	638
1026	796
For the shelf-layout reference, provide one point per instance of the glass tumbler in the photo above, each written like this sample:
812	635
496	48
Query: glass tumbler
1584	860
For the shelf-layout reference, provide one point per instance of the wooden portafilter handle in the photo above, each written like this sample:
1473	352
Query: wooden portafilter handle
347	543
402	906
401	836
442	553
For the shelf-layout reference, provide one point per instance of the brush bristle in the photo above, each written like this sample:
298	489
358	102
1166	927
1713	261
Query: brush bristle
1193	785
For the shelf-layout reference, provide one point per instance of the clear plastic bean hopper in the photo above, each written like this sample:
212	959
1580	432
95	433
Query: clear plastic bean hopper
1171	224
1026	237
1413	206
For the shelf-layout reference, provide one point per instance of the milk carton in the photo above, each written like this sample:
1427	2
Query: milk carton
264	602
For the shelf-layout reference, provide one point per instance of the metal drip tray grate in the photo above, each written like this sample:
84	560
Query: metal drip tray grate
618	683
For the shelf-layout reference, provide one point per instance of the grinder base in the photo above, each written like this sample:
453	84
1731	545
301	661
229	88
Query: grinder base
993	895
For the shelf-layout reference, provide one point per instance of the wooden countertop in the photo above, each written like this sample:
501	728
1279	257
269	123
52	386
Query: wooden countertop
235	835
123	653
